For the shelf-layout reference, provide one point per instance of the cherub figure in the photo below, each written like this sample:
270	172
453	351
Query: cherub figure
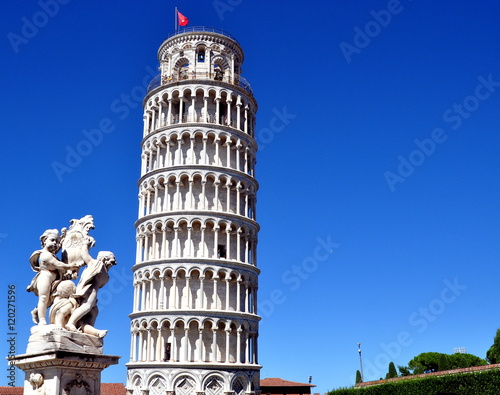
64	305
50	271
94	277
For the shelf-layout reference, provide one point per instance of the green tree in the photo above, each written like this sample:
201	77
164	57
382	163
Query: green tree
465	361
392	371
358	377
493	354
426	361
459	361
435	361
404	370
443	362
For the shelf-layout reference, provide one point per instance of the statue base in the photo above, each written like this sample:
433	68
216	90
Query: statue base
63	372
46	338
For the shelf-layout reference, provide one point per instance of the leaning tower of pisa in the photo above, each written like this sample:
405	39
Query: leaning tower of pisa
194	324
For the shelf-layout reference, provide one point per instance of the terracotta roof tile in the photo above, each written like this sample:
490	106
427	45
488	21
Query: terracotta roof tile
277	382
113	389
11	390
106	389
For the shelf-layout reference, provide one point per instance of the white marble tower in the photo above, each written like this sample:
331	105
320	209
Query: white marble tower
194	324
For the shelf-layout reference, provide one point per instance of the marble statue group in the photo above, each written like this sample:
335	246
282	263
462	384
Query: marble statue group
73	307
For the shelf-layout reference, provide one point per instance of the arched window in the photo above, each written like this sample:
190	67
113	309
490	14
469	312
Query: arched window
183	71
201	54
218	73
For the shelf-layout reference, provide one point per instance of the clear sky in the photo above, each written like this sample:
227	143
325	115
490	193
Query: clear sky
378	127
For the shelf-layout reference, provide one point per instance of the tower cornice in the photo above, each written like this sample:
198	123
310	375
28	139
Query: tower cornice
197	81
194	262
197	169
195	314
201	34
198	215
200	126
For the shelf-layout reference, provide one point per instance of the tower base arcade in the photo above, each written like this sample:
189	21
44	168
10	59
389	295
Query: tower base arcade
194	380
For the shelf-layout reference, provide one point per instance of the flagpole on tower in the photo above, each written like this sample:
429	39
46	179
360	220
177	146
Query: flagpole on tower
175	20
180	20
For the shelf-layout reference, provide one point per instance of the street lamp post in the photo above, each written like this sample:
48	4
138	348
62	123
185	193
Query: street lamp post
360	362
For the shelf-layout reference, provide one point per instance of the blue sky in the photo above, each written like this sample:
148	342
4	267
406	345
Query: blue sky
378	128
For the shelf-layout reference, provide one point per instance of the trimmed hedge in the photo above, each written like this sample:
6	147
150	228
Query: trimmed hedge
476	383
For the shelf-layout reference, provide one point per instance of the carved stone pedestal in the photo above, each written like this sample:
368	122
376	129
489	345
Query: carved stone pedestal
63	372
45	338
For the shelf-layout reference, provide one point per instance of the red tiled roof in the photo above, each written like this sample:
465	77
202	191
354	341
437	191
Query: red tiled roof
112	389
276	382
106	389
11	390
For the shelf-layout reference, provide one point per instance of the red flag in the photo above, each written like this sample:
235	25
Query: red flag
183	21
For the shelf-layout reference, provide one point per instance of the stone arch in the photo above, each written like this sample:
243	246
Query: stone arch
198	154
224	139
182	68
196	237
153	324
157	384
137	385
170	192
165	323
225	96
181	271
175	100
233	341
213	384
193	326
162	193
201	48
186	91
175	93
212	94
187	96
207	336
178	327
167	272
211	141
223	249
220	61
211	180
185	198
181	288
198	197
254	383
220	341
208	288
239	384
143	324
232	283
184	384
135	325
183	241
